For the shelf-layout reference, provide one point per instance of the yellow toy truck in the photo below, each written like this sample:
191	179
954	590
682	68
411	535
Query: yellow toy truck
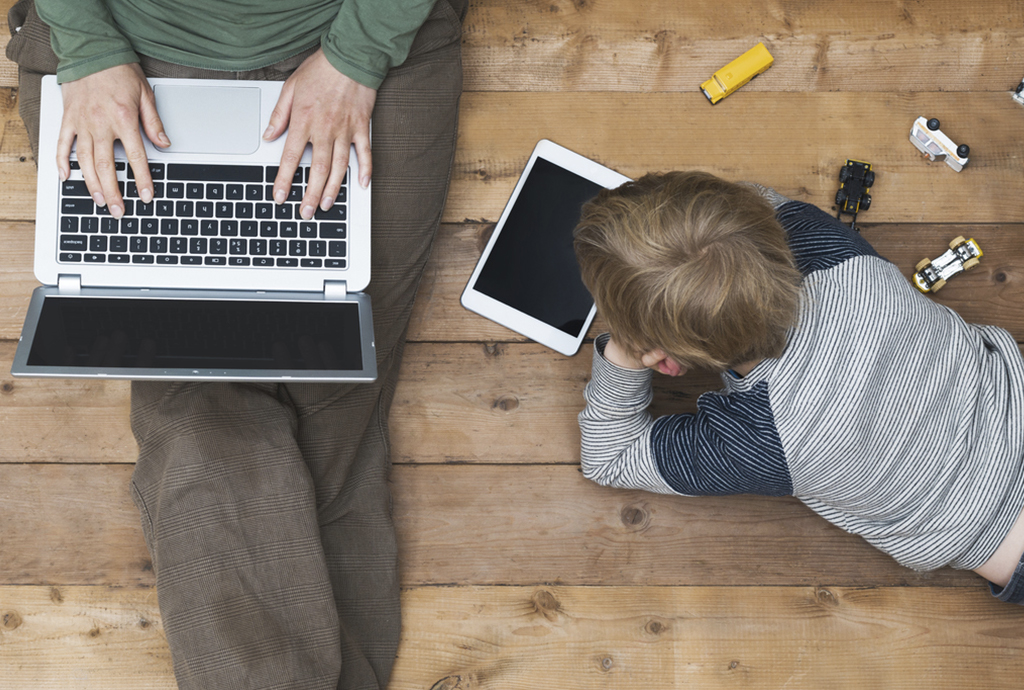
737	73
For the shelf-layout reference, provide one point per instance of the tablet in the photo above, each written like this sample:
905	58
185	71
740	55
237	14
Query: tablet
527	278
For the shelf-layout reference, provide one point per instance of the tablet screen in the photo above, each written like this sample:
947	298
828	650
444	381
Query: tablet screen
532	266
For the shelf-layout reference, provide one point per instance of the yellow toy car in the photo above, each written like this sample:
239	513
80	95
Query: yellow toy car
737	73
962	255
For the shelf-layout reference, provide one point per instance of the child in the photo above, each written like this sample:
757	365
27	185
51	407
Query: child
881	410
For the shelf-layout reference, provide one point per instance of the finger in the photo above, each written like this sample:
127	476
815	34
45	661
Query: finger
65	140
84	151
106	175
281	114
339	167
292	154
152	125
363	155
319	171
135	152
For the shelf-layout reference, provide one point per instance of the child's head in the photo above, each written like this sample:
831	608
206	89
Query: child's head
691	264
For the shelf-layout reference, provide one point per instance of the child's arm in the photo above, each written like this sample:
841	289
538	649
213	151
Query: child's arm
615	425
730	446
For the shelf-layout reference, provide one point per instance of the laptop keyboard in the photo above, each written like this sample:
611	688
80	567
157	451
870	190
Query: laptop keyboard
203	215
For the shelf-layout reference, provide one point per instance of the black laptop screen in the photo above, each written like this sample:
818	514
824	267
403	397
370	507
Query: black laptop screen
197	334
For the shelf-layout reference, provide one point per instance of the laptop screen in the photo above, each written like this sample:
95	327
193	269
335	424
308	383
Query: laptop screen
150	333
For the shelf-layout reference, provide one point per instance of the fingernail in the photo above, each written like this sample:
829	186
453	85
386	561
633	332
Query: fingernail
98	198
307	212
116	211
146	195
364	181
62	174
269	133
280	195
163	139
326	203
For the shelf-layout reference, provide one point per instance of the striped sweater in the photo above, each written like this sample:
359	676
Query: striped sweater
886	414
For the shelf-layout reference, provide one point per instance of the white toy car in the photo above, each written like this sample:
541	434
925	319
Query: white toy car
962	255
929	140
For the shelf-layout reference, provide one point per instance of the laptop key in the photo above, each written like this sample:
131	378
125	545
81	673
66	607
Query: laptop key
194	190
76	206
216	261
289	229
70	256
108	225
257	247
119	258
278	247
262	261
188	259
143	259
214	191
335	263
249	228
297	248
208	228
143	209
253	192
336	212
332	231
169	226
158	245
238	261
237	246
138	244
268	228
189	226
179	245
175	190
149	226
118	243
204	209
90	224
219	245
167	260
98	243
336	248
311	263
95	258
74	188
71	243
69	224
197	245
307	230
235	192
228	228
129	226
318	248
287	263
224	209
165	208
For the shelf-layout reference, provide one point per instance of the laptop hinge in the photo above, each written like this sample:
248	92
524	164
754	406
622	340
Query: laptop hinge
335	289
69	284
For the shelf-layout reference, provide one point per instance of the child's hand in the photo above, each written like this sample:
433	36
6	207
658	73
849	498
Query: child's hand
655	359
662	363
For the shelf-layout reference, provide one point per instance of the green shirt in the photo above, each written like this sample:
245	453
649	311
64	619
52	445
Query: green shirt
362	39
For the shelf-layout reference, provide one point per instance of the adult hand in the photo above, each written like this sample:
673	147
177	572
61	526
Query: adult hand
321	106
102	108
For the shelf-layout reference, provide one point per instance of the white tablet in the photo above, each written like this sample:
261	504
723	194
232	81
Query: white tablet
527	278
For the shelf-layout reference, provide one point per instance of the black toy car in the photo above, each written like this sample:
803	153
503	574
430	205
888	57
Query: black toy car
855	180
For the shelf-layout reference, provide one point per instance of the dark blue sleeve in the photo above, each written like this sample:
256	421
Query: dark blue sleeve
731	446
818	240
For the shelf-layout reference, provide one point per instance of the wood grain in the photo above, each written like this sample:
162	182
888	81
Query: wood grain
600	45
486	524
795	142
519	638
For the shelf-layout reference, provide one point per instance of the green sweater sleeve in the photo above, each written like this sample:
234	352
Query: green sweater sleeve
369	37
84	37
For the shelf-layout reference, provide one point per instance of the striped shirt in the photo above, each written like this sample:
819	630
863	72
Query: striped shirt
886	414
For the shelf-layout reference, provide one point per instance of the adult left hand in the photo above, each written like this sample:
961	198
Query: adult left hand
321	106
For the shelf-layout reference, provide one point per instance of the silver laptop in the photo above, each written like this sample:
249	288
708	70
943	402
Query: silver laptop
211	279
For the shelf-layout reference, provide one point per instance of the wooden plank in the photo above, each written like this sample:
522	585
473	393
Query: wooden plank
8	70
990	293
75	524
579	637
795	142
866	46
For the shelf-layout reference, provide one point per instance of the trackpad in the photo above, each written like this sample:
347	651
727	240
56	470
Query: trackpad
210	119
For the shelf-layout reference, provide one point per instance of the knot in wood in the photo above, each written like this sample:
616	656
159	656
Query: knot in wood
448	683
10	620
55	596
7	387
1000	277
143	623
826	597
655	627
635	517
492	350
607	663
545	603
733	665
506	403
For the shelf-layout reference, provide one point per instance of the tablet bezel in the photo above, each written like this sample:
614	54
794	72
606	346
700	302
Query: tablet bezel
508	316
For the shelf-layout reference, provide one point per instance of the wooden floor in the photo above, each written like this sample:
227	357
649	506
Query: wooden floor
518	573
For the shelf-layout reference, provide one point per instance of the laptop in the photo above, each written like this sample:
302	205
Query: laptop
210	280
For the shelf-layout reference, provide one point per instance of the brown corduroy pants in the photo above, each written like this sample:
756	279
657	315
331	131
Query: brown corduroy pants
266	507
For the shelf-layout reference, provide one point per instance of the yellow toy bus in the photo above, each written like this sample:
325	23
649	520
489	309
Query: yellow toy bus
737	73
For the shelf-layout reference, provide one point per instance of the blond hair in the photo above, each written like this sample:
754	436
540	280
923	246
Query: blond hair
691	264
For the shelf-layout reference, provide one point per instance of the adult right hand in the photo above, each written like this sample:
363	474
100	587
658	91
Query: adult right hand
103	108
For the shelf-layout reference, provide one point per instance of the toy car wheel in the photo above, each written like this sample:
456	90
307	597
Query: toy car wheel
841	197
957	242
865	202
921	264
844	174
938	285
869	179
971	263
